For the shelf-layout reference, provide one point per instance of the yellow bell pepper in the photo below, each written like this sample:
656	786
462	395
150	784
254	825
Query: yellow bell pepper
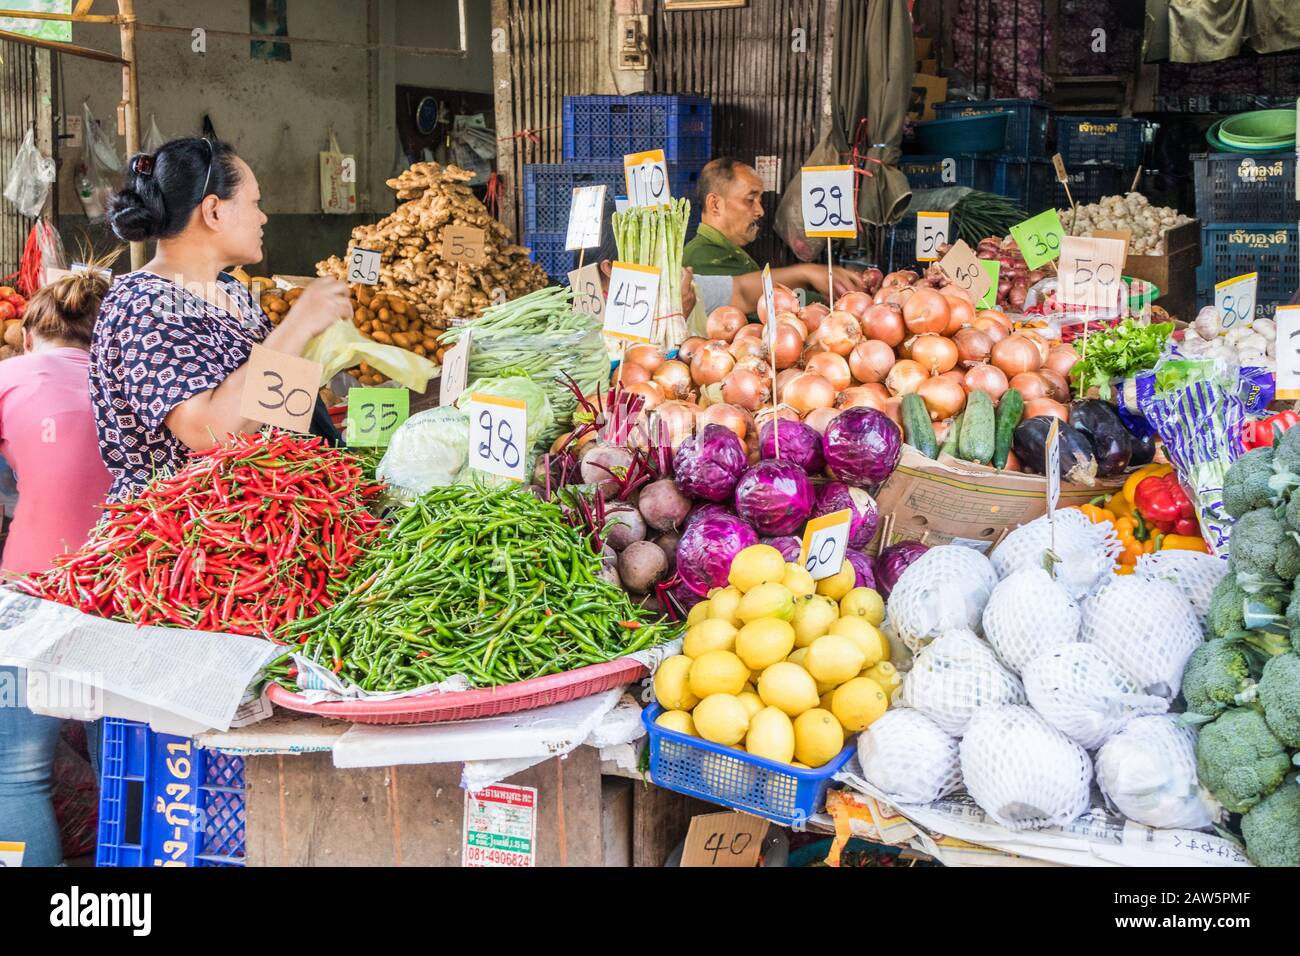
1183	542
1097	514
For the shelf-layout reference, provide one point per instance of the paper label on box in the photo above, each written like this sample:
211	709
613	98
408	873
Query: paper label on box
769	170
500	827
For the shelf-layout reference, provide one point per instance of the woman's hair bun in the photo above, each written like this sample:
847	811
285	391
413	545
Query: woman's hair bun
134	217
162	190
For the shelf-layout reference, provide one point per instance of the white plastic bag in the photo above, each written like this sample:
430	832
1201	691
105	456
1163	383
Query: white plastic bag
954	676
30	177
909	758
944	589
1148	772
1087	553
100	148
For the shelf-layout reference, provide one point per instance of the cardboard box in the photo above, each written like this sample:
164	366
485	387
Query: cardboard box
922	47
956	502
926	91
1173	273
929	67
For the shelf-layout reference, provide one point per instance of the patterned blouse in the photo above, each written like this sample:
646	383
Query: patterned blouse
155	346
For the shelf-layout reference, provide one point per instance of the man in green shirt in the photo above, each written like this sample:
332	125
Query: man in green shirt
731	203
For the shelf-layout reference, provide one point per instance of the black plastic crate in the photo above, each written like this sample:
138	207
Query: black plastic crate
927	172
1109	140
1027	183
1090	183
1237	187
1271	249
1026	128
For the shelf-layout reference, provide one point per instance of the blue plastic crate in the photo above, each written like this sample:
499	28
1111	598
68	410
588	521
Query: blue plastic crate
1258	187
1235	248
1111	140
1092	182
1026	129
900	245
548	190
606	128
1027	183
927	171
165	802
737	779
547	250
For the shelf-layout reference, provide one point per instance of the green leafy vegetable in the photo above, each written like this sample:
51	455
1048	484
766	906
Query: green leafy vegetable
1124	350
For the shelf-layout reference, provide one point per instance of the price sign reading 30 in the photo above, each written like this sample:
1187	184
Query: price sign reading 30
828	202
498	436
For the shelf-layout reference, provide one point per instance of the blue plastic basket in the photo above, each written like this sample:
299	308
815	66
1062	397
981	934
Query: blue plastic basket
1259	187
547	250
548	190
927	172
980	133
1027	183
165	802
605	128
1026	129
1092	182
1114	140
900	245
737	779
1235	248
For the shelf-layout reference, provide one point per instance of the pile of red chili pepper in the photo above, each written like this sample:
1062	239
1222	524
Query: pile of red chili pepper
246	538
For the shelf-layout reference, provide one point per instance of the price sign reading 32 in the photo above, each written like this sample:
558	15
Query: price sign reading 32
633	298
828	202
498	435
825	541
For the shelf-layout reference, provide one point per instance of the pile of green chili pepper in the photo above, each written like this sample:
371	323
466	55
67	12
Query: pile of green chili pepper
488	583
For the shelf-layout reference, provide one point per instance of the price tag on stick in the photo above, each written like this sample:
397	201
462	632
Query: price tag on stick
993	269
11	854
463	245
931	233
280	389
1235	299
363	267
1288	351
374	414
498	435
825	540
1039	238
647	178
724	840
585	213
960	265
455	370
769	301
633	297
1091	272
828	208
588	297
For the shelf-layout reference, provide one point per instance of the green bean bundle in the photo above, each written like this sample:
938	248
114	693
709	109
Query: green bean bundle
490	583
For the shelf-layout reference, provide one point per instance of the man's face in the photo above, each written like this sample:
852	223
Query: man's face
739	207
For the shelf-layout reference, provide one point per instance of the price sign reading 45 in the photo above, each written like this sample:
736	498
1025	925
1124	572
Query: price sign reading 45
280	389
1039	238
1235	299
633	298
828	202
647	178
375	413
824	542
931	233
1091	272
498	438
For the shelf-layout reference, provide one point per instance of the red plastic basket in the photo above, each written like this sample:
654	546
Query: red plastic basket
471	704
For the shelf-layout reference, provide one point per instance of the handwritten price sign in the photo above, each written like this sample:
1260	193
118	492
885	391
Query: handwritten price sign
633	296
931	233
280	389
1091	272
1235	298
960	265
585	218
647	178
1039	238
828	202
498	435
588	297
463	245
825	541
374	414
363	267
724	840
1288	351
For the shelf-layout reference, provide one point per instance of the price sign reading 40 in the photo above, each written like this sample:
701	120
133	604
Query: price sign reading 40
931	233
647	178
1235	298
375	413
1091	272
633	297
498	436
828	202
825	541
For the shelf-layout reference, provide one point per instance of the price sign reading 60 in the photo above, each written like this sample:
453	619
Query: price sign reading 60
825	541
498	435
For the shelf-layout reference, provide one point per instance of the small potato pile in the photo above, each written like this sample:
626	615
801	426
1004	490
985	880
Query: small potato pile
410	243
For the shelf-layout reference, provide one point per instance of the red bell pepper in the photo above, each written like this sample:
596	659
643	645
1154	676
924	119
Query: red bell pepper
1261	433
1165	505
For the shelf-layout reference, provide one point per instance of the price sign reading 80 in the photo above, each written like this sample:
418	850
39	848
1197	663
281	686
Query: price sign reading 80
647	178
498	436
633	298
825	541
828	202
1235	299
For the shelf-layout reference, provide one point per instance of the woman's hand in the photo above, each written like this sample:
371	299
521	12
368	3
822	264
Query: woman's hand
321	304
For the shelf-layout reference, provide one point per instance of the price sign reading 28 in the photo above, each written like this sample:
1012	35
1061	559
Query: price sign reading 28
498	435
828	209
825	541
647	178
633	298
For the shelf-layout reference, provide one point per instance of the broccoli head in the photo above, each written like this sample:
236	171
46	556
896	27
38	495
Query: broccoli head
1279	695
1286	460
1226	606
1272	829
1254	544
1287	566
1216	673
1246	486
1292	513
1270	632
1239	760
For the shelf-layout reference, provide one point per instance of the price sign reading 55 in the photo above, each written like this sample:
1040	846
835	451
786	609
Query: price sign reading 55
825	541
633	298
647	178
828	202
498	435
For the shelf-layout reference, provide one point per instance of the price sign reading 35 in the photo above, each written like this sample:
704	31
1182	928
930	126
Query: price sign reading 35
1235	299
824	542
647	178
633	298
498	435
931	233
828	202
375	413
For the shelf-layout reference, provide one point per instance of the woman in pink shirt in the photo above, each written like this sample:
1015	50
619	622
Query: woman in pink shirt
47	435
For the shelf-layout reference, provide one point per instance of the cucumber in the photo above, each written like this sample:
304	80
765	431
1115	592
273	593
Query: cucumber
916	424
1010	408
976	440
950	442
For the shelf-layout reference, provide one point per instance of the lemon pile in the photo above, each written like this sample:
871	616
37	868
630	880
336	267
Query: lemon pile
779	665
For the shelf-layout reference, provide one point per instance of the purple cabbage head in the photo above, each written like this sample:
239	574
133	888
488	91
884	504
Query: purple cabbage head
708	464
789	546
707	546
866	574
862	446
893	561
800	444
776	497
836	496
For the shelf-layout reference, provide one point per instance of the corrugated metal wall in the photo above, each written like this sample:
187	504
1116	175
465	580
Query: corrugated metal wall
25	101
766	94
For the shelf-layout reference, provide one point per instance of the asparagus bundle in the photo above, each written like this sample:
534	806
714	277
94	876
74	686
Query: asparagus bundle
656	237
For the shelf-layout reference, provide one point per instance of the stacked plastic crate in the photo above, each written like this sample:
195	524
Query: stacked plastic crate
598	132
1101	155
1248	211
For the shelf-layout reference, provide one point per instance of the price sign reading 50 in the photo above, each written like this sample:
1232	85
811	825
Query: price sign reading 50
931	233
1091	271
633	298
498	435
825	541
647	178
828	202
